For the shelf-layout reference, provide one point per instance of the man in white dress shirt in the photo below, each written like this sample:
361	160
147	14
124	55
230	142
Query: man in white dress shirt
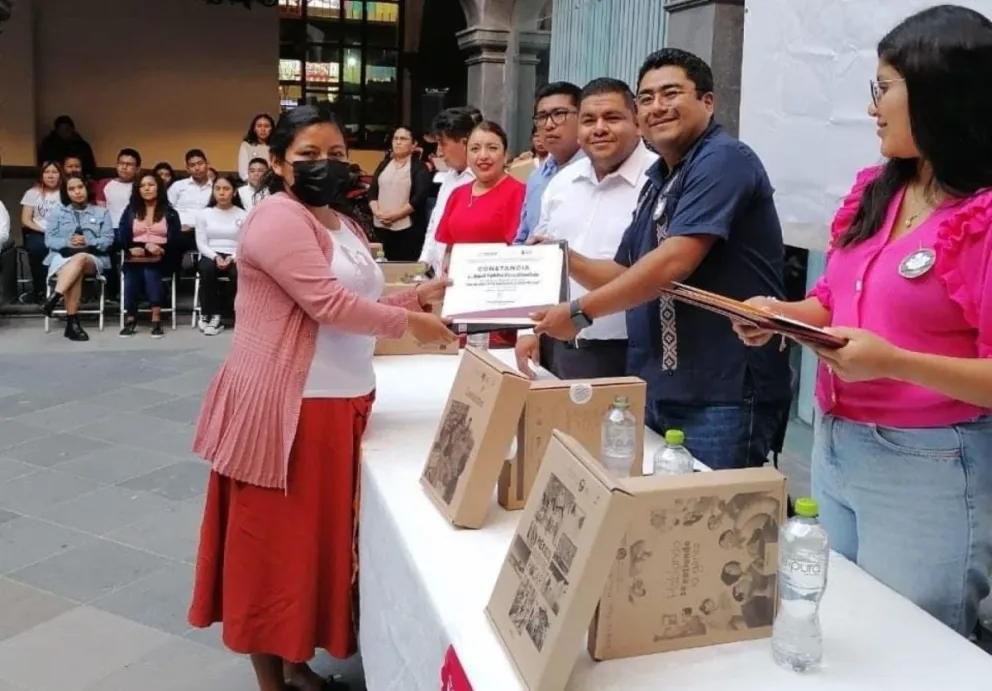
191	195
451	127
590	203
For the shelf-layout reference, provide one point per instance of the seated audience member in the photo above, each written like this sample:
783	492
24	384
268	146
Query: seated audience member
488	210
115	193
190	196
38	205
212	174
165	172
4	225
218	228
252	191
255	144
64	141
79	238
73	165
398	198
149	228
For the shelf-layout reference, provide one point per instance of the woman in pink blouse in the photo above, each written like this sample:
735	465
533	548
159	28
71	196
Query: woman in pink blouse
902	460
283	419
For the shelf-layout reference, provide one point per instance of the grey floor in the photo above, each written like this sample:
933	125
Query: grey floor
100	503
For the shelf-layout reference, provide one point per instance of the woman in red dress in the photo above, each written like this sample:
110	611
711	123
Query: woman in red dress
488	210
283	419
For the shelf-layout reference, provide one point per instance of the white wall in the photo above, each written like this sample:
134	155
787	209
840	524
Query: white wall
805	97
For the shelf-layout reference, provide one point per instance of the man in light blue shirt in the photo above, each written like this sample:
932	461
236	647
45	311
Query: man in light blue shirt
555	115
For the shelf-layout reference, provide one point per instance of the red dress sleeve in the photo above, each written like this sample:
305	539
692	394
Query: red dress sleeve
842	221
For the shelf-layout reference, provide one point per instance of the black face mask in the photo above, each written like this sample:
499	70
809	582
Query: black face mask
321	183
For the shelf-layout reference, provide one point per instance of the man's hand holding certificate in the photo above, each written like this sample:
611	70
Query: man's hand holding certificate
498	286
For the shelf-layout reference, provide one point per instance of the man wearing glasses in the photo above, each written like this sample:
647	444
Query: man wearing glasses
706	217
555	112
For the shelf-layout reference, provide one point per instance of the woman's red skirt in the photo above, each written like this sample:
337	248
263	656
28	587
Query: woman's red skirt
279	569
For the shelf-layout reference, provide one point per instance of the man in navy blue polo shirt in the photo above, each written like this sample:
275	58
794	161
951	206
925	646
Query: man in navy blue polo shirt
705	217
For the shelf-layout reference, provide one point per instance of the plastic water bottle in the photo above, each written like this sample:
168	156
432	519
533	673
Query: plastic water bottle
419	275
797	643
380	256
673	458
480	341
619	437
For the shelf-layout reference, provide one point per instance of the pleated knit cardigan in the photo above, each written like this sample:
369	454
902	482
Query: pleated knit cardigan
285	290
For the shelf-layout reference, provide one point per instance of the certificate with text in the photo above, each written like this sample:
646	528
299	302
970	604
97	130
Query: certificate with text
497	286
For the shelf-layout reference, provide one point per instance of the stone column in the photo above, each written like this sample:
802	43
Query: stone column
713	30
486	59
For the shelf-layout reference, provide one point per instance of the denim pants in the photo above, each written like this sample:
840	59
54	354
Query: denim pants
141	277
723	436
912	507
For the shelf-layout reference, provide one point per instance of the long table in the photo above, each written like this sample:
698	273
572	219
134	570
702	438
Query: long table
424	586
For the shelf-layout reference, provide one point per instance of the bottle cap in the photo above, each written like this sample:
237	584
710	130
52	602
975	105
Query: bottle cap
621	402
807	508
675	437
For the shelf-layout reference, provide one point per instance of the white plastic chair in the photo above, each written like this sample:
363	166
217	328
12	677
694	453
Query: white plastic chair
99	312
170	310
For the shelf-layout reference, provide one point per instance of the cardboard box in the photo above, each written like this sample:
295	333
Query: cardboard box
557	563
407	344
400	272
696	566
473	437
575	407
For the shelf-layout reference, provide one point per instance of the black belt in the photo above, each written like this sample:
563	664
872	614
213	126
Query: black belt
592	343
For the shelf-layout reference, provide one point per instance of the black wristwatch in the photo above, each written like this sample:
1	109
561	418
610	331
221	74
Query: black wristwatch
578	317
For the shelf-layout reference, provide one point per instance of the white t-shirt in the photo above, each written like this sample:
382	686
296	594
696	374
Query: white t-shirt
218	230
247	194
4	224
342	362
43	204
189	199
118	196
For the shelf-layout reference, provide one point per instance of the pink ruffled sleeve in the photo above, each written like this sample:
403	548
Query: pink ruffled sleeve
964	264
842	221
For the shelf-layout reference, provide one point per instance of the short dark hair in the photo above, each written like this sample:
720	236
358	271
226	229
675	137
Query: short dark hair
258	160
696	69
133	153
569	89
194	153
607	85
493	128
456	123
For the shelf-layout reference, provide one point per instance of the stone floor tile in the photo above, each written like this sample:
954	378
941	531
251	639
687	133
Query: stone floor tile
53	449
178	481
105	510
130	427
35	493
9	469
24	607
188	384
173	532
67	416
73	651
174	443
28	402
8	516
116	464
182	665
25	541
159	600
90	571
184	410
8	391
133	398
14	432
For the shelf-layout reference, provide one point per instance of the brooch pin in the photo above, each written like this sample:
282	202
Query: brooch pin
918	263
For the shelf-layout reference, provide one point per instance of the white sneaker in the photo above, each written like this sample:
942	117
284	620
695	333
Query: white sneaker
213	327
201	323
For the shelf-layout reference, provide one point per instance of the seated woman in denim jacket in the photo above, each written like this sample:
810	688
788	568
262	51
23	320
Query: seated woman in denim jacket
78	238
150	233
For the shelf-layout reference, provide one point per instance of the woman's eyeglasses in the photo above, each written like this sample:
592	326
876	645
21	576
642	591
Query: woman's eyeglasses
878	88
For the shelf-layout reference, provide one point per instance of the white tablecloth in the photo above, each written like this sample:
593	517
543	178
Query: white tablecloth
425	584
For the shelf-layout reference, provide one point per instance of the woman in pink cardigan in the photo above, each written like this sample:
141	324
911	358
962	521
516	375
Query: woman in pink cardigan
283	419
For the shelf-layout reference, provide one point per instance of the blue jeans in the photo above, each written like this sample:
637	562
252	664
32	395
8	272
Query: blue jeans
723	436
912	507
140	278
